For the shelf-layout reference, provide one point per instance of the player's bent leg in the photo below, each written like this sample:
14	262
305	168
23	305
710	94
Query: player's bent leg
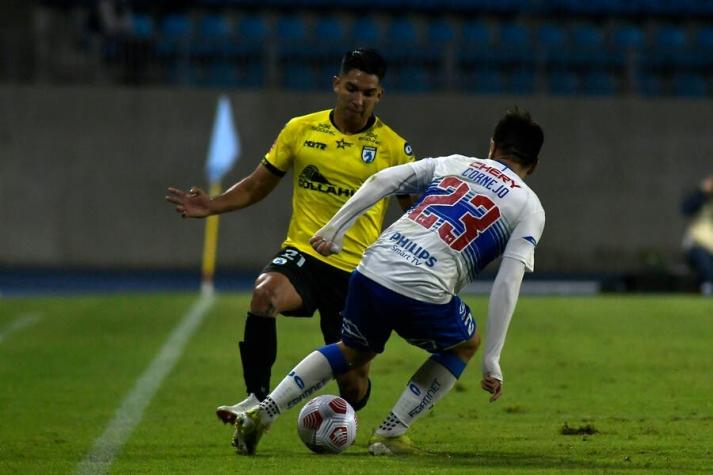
355	386
273	293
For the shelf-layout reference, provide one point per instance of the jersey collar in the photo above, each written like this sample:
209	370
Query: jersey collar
367	126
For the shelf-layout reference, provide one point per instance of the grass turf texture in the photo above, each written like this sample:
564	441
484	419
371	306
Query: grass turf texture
601	385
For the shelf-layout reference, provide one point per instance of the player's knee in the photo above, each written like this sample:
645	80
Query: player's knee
264	299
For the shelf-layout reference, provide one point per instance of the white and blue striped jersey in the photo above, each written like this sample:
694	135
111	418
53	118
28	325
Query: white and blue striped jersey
472	211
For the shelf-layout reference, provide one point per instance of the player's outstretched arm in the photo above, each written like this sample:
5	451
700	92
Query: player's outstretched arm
401	178
195	203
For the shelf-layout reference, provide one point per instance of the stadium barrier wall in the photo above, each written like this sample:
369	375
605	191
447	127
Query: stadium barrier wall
83	172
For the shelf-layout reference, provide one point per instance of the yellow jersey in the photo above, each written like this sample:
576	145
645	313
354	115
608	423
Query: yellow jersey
328	167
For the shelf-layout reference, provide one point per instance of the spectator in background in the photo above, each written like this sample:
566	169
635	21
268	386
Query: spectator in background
698	241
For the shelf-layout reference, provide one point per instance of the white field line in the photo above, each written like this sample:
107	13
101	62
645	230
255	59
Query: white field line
20	323
131	411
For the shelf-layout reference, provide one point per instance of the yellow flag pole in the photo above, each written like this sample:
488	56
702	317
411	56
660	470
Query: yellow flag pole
210	246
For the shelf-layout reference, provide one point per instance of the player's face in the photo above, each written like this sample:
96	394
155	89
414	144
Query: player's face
357	95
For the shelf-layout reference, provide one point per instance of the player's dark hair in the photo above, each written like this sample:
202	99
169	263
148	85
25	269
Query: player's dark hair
519	137
364	59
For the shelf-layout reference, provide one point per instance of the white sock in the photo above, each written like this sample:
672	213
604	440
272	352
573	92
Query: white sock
309	376
428	385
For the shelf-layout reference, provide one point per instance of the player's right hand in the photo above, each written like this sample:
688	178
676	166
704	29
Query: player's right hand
323	246
493	386
194	203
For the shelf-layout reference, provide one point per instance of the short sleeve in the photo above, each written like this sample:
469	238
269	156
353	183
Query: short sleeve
281	154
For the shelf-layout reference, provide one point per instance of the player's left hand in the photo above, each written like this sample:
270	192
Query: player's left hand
493	386
323	246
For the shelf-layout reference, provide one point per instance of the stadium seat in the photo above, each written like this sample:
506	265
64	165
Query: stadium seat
401	30
366	32
253	28
410	79
562	83
440	32
175	32
626	43
522	82
599	83
476	43
298	77
142	26
650	85
214	36
689	85
587	46
484	81
401	41
551	40
514	45
329	39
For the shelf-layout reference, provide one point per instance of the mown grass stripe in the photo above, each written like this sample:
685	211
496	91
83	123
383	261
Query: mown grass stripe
131	410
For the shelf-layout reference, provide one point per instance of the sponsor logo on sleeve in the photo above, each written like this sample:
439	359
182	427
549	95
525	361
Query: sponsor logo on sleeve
408	149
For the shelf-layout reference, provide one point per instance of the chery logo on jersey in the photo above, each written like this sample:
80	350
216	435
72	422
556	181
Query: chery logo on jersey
317	145
312	179
405	247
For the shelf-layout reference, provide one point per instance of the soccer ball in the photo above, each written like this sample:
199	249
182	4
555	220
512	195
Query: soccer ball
327	424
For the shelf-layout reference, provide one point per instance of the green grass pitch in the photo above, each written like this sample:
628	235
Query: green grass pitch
611	384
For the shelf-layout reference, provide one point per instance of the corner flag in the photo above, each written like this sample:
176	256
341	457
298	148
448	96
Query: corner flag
223	152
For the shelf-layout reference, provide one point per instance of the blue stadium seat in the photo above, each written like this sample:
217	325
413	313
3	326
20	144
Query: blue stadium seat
411	79
689	85
626	42
253	28
627	36
401	30
551	39
401	41
142	26
330	29
562	83
522	82
290	28
587	46
650	85
483	81
440	32
298	77
175	32
330	38
599	83
214	36
476	43
514	45
366	32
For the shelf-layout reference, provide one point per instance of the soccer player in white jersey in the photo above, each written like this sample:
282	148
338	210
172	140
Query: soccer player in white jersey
471	212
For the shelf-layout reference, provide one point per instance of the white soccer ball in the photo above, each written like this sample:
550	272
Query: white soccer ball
327	424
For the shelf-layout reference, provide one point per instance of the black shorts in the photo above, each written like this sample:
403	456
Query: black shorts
321	286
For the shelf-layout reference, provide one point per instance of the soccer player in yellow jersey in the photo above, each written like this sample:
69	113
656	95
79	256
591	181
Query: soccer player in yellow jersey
331	153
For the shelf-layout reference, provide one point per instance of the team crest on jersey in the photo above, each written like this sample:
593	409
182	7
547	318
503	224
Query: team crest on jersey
368	153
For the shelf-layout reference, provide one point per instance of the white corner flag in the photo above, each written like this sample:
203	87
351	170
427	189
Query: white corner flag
223	152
